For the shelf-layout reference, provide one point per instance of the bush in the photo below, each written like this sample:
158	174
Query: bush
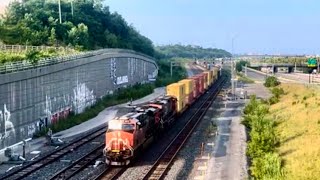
266	164
240	64
272	81
277	92
33	56
267	167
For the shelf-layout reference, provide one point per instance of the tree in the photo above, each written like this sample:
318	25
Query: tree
53	37
78	36
271	81
240	64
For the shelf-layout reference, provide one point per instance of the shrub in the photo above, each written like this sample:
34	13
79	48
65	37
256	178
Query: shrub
267	167
266	164
240	64
271	81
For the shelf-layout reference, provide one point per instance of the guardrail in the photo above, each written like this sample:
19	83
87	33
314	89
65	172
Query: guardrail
25	64
21	48
277	64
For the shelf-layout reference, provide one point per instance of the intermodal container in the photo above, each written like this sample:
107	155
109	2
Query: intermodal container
189	84
205	80
196	89
202	84
215	73
209	77
177	90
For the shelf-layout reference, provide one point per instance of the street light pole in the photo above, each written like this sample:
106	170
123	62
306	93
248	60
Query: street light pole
60	20
232	69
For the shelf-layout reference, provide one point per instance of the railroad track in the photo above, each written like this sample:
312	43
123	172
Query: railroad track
161	166
78	165
110	173
53	156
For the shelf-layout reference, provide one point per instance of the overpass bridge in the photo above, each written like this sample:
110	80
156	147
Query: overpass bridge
281	67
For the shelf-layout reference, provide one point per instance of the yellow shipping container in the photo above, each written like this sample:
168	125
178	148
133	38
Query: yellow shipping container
215	73
189	84
177	90
209	79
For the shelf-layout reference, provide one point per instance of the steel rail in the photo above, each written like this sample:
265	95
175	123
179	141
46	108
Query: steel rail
53	156
161	166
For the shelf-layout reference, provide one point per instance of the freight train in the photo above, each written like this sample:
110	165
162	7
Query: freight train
127	135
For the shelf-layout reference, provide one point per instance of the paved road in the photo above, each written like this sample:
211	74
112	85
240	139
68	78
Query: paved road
255	76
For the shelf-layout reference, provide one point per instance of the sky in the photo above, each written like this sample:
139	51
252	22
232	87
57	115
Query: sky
256	26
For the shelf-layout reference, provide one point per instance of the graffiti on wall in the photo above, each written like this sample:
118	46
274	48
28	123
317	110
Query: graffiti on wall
6	126
82	98
113	69
122	79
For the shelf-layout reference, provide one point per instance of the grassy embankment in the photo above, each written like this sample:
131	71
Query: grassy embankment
284	134
243	78
122	96
32	56
299	131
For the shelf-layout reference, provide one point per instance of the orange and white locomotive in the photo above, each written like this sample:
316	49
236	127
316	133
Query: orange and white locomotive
127	135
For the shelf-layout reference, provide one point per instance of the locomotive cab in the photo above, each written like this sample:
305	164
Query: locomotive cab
124	136
119	141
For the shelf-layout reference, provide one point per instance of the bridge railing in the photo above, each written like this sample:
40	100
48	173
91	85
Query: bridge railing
9	67
276	64
21	48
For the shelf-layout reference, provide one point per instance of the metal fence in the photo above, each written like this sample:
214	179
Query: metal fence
25	64
22	49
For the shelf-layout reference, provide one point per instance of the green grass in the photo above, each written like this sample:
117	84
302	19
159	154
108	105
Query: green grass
27	55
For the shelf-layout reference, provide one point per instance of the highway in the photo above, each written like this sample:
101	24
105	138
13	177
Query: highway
255	76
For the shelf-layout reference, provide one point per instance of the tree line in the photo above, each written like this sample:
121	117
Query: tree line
86	25
189	51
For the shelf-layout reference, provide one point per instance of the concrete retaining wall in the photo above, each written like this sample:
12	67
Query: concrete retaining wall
32	99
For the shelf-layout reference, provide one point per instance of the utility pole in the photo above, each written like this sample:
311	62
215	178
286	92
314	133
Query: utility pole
171	64
317	65
232	70
60	20
245	70
71	8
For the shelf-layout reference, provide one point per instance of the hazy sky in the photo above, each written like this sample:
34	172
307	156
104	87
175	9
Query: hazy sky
260	26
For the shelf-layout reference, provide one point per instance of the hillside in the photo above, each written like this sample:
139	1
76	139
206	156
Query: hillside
89	26
299	131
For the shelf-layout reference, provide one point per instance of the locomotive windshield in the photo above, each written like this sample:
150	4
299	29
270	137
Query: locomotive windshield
123	127
128	127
